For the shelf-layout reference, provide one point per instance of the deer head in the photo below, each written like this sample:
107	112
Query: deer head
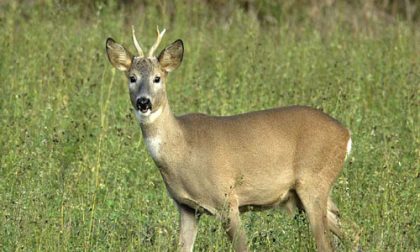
146	75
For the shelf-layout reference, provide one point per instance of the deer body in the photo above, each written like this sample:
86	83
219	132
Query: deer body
224	165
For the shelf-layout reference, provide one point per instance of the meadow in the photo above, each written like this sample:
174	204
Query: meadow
75	174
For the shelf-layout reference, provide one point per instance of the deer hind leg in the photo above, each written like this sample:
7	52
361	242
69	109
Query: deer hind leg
333	221
315	204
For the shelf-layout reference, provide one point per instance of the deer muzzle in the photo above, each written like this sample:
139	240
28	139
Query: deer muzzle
143	104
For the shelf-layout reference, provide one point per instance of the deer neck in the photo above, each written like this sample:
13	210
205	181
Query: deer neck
162	136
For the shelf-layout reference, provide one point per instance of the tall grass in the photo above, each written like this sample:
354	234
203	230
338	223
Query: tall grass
75	175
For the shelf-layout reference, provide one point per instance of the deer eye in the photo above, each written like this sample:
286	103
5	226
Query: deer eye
156	79
133	79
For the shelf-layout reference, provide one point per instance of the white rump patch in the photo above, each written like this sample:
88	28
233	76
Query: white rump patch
148	117
153	146
348	147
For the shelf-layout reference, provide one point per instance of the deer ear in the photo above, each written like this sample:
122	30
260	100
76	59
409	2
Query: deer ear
171	57
119	57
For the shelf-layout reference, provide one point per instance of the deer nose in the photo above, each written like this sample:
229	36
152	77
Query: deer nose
143	104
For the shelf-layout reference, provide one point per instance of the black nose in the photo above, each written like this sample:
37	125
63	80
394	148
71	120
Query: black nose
143	104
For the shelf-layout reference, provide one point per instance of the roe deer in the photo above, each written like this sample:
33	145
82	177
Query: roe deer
288	157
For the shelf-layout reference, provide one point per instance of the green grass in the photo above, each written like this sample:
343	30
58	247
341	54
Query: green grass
75	174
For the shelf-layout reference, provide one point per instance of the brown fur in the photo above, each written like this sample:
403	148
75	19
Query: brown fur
287	157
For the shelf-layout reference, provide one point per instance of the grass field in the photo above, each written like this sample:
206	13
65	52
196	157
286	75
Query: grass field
75	174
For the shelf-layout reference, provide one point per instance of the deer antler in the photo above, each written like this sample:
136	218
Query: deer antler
136	43
158	39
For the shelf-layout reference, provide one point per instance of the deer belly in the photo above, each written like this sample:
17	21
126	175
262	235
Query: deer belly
266	189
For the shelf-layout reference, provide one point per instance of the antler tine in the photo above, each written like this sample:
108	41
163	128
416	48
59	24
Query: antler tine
136	43
158	39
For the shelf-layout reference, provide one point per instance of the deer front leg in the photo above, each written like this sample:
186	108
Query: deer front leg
188	222
234	228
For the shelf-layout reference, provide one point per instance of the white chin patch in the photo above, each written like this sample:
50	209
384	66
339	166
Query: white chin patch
148	116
